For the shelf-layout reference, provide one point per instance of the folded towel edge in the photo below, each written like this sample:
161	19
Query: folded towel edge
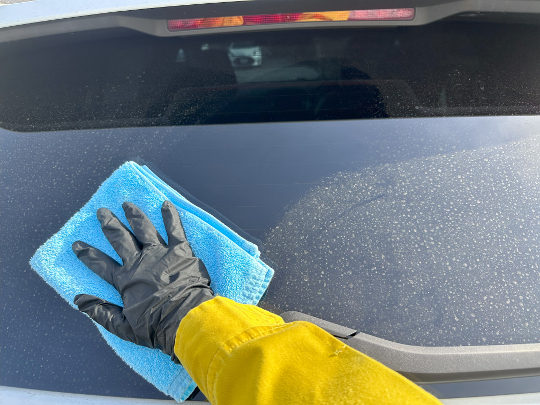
212	221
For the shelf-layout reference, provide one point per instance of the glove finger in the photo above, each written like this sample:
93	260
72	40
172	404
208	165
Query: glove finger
97	261
121	239
108	315
143	228
174	227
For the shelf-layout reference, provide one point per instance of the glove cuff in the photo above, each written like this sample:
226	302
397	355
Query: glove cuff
196	295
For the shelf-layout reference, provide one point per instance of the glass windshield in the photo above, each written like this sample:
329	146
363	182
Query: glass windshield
124	79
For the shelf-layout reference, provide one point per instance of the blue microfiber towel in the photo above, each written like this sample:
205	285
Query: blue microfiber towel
232	262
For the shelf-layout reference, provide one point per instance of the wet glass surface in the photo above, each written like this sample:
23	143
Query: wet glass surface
419	231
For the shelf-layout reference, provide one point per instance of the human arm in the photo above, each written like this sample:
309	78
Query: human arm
242	354
237	354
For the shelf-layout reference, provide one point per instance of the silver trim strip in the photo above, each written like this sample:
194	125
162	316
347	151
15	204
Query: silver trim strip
519	399
22	396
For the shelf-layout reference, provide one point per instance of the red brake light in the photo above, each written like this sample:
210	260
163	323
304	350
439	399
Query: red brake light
392	14
389	14
270	18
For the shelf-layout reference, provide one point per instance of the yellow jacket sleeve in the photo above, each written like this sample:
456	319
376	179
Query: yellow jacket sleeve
242	354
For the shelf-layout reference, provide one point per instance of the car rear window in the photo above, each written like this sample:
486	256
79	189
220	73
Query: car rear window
421	231
119	79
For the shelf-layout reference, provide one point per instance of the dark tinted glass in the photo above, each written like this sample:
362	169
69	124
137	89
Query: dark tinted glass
418	231
122	78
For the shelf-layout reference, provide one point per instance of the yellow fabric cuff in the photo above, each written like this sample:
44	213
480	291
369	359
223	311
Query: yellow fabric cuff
205	329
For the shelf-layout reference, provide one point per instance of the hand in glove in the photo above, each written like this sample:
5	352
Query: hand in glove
159	283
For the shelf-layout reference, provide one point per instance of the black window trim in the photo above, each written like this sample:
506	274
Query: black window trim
424	364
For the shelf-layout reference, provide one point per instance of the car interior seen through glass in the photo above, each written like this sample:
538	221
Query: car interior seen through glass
449	68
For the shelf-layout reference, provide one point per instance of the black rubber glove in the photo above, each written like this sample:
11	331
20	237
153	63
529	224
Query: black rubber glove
159	283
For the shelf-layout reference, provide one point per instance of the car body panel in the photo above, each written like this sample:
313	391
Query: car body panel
18	396
154	14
